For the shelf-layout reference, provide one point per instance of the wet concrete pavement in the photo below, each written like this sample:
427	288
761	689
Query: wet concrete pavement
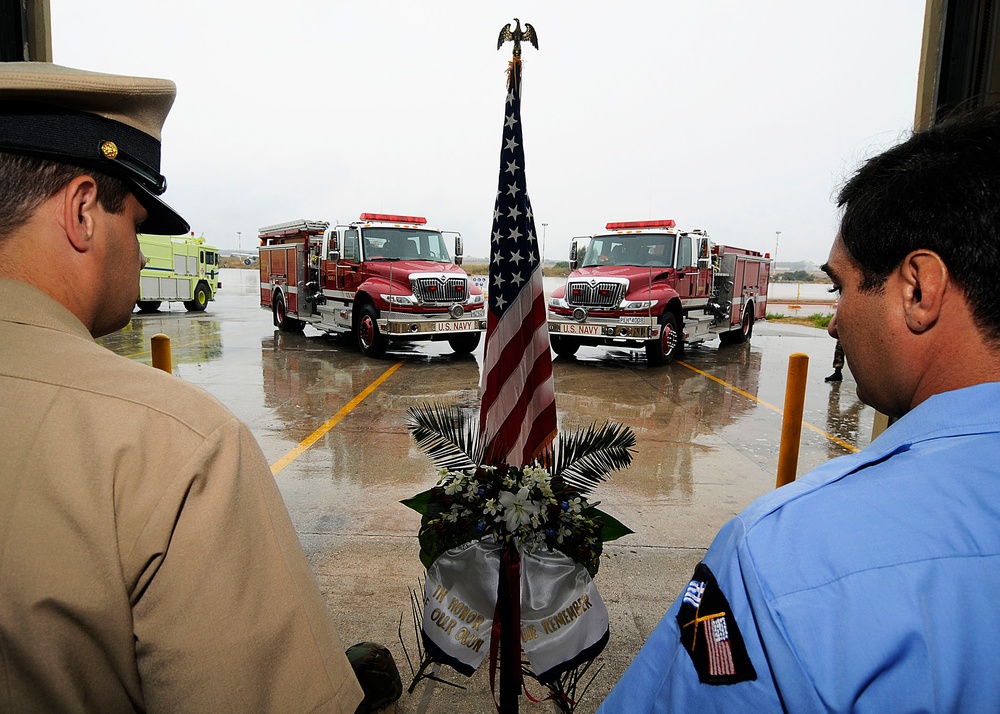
708	429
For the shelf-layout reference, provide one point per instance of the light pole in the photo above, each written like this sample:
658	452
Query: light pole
777	235
239	243
542	257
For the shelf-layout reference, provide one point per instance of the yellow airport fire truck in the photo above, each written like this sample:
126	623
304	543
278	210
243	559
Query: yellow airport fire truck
178	269
646	284
383	277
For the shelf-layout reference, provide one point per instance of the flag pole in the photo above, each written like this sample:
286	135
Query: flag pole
517	415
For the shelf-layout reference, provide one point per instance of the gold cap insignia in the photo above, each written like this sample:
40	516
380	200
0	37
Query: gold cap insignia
109	150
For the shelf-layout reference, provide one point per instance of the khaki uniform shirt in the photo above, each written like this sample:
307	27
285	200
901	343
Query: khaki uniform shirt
147	561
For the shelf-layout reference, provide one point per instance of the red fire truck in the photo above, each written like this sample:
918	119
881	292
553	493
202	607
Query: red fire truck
647	284
383	277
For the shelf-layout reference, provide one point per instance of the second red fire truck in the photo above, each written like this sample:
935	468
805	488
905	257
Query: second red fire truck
646	284
383	277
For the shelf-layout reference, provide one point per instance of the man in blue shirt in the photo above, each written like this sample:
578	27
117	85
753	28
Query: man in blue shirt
872	584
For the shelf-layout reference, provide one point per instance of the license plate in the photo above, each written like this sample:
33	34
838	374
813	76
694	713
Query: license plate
572	329
458	326
634	320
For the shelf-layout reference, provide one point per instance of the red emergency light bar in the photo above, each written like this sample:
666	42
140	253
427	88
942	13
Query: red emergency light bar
626	225
393	218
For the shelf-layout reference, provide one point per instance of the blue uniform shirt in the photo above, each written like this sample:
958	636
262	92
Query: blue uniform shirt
870	585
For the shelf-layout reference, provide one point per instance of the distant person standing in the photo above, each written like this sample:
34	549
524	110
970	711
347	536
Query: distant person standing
870	584
838	364
147	561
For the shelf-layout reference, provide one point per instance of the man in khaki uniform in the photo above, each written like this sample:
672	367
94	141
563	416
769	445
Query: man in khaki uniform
147	561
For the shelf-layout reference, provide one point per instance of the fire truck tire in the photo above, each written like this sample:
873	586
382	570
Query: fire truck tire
281	318
148	305
741	334
563	347
371	341
464	343
670	343
199	300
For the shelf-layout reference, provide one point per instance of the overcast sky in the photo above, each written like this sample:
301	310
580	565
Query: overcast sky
740	118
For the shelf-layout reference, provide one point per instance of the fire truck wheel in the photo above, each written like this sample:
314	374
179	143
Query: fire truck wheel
564	347
281	318
741	334
199	301
371	341
464	343
148	305
670	343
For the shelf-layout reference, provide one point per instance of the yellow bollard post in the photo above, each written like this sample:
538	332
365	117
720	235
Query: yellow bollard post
791	421
160	348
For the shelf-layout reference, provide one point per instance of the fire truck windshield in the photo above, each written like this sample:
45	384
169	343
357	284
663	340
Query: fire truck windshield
652	249
382	243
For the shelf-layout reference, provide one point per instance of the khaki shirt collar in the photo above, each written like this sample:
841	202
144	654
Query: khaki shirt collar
25	304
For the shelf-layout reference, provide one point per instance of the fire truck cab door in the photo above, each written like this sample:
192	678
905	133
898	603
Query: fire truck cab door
348	272
688	275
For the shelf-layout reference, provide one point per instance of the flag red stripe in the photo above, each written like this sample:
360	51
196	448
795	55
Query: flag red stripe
509	338
520	377
513	332
520	424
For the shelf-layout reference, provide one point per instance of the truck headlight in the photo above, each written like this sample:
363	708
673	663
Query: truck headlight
475	299
399	299
558	302
638	304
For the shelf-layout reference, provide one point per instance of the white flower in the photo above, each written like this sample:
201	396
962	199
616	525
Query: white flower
540	479
491	506
518	509
453	487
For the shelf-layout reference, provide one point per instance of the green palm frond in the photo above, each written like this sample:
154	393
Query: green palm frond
586	457
446	434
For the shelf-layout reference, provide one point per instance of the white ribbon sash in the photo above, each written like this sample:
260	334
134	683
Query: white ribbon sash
562	614
460	597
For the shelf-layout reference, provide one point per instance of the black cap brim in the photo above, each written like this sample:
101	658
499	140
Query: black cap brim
162	219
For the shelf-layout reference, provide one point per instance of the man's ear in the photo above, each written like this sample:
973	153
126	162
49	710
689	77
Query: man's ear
77	214
924	280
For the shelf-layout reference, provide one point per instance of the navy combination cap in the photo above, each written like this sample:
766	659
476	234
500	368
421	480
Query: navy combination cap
105	122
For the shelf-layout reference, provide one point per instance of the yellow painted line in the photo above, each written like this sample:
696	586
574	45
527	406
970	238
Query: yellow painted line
727	385
332	421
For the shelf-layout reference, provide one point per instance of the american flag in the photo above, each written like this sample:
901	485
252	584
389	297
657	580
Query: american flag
720	655
518	414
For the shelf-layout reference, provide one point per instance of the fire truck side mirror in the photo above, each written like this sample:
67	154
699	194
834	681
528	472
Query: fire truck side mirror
572	255
459	249
704	263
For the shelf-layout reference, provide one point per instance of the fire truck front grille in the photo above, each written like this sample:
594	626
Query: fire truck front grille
598	294
441	289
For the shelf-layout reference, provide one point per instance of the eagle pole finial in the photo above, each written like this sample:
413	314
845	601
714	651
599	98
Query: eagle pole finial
516	35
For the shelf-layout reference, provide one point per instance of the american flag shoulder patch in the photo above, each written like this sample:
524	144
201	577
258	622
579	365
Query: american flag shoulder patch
709	632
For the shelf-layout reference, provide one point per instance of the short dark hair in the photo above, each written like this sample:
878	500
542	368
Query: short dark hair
26	182
938	190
